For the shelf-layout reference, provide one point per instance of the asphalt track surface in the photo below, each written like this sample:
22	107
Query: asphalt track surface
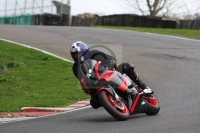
169	65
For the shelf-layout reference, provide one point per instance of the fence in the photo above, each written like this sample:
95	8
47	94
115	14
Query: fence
135	21
189	24
38	12
79	21
113	20
19	7
17	20
38	19
124	20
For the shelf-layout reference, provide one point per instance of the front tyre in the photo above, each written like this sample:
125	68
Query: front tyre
152	105
117	109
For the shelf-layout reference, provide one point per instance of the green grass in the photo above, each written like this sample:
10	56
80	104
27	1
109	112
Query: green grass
194	34
29	78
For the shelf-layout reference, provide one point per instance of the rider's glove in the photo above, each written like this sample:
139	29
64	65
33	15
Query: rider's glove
148	91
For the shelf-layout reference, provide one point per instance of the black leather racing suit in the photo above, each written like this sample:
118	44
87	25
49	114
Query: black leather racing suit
105	59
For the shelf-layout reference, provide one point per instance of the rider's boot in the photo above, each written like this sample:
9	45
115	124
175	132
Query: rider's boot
140	83
128	69
143	86
134	77
94	103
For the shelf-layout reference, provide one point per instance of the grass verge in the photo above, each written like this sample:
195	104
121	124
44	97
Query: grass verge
29	78
193	34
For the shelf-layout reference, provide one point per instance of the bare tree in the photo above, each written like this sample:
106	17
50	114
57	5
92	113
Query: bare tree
146	7
156	6
186	9
169	9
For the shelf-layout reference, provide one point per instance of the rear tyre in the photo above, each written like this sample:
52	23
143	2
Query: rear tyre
152	105
117	109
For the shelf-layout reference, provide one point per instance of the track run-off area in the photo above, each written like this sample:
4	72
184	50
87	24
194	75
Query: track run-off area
169	65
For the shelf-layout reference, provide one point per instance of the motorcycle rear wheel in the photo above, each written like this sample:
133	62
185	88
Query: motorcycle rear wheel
115	108
152	105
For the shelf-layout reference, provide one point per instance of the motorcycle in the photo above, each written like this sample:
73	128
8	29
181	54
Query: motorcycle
112	90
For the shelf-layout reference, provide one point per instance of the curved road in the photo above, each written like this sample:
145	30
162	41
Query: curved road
169	65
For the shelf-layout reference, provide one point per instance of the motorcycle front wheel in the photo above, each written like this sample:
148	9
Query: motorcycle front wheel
152	105
114	107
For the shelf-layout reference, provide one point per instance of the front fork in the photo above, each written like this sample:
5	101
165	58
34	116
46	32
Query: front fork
135	104
138	104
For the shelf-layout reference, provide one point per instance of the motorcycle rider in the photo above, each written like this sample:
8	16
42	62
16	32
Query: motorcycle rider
80	53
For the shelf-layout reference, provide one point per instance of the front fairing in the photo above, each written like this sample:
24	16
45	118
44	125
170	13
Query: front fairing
95	73
117	80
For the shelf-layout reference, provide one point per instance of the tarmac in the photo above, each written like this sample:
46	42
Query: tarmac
33	112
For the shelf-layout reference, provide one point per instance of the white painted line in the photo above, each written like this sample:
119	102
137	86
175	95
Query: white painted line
7	120
77	105
177	37
5	40
16	120
83	102
47	108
